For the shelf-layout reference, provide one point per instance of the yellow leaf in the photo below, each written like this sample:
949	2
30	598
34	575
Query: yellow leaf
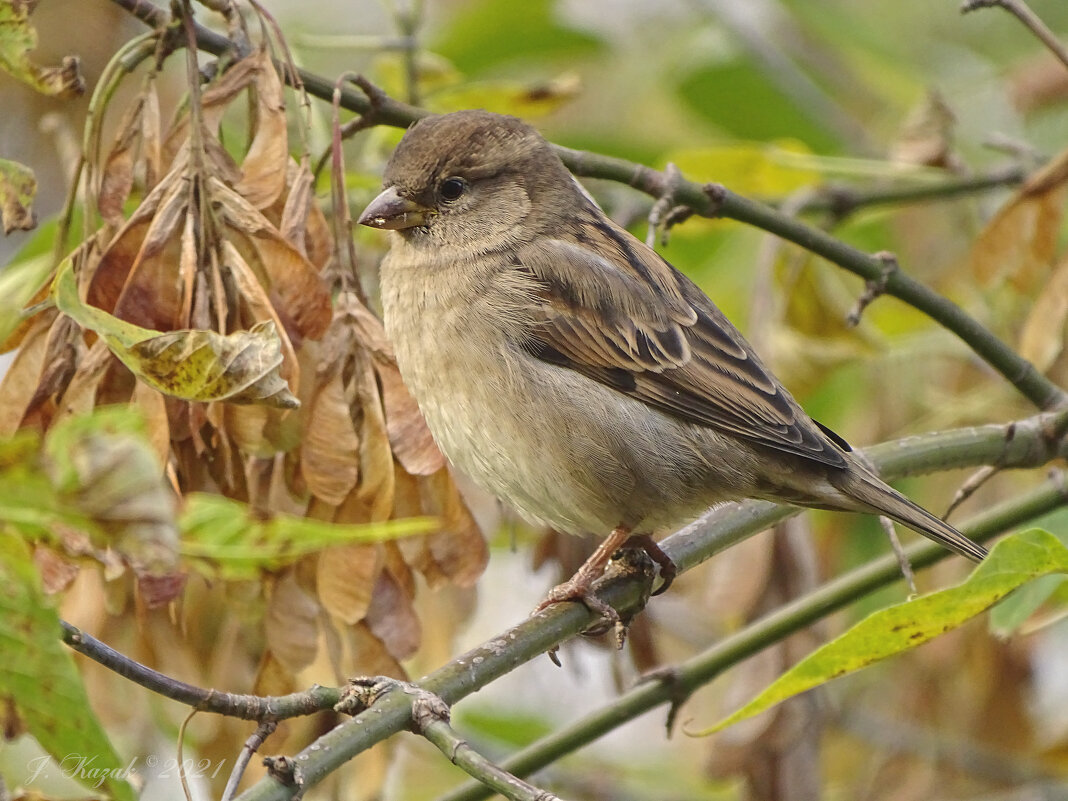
18	186
197	365
1020	240
18	38
1042	338
751	168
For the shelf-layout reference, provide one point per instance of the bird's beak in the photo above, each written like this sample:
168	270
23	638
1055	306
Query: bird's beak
391	211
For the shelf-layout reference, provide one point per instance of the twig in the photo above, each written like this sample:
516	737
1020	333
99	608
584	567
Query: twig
182	777
1023	12
899	551
430	718
664	207
252	745
873	288
246	707
841	201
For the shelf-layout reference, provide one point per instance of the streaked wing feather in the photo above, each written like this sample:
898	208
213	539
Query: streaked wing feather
636	324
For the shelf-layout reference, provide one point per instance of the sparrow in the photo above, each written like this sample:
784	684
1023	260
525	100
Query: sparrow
568	369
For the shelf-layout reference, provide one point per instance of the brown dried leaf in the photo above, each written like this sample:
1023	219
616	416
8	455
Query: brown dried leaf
273	678
118	260
213	103
292	624
458	549
157	591
265	164
81	394
117	177
153	410
345	579
392	619
299	205
1020	241
927	136
25	371
409	436
1042	338
299	294
368	656
151	137
329	453
375	490
154	294
56	572
255	307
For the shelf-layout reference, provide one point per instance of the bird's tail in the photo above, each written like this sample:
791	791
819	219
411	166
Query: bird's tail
880	498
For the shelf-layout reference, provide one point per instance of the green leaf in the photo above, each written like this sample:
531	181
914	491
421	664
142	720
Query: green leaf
1010	614
19	282
486	33
228	540
18	38
18	187
767	113
196	365
39	684
1015	561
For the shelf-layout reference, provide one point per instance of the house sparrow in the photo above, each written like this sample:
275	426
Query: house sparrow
567	368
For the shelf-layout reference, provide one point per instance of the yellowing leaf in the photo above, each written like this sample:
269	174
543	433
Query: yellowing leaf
1042	338
18	187
522	100
1020	241
18	38
18	284
1014	561
197	365
751	168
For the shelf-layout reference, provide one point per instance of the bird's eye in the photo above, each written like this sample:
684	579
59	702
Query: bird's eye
452	188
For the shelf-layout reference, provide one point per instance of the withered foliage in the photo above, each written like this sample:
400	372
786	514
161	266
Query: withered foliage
201	239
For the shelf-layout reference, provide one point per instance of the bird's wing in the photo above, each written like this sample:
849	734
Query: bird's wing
610	308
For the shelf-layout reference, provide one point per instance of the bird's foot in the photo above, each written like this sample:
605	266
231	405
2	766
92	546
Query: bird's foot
668	569
579	588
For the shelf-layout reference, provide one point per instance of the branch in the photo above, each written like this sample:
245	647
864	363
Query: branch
674	685
430	718
246	707
842	201
709	200
1035	441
